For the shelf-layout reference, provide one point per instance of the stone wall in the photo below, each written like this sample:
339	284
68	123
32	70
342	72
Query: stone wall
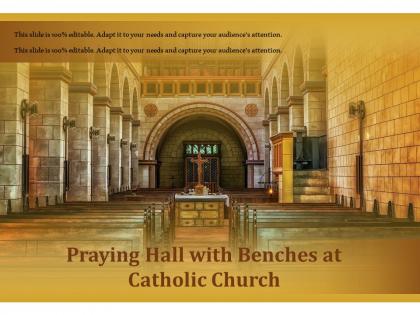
387	79
14	87
64	126
172	158
155	109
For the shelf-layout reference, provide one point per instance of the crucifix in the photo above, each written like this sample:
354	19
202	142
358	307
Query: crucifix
199	161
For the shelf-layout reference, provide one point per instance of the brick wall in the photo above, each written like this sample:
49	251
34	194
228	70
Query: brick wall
387	79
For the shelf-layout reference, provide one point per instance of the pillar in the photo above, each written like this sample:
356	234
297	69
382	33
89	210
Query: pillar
135	154
100	152
147	173
254	172
126	152
283	165
49	87
272	118
296	121
115	149
14	85
314	108
283	119
79	145
267	155
250	174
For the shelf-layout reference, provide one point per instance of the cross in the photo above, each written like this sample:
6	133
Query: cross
199	161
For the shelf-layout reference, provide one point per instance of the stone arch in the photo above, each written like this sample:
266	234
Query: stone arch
198	127
298	72
81	71
126	100
207	109
115	87
274	96
266	102
284	86
316	60
135	106
99	78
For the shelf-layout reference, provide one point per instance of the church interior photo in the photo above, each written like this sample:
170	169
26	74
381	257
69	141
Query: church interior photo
224	151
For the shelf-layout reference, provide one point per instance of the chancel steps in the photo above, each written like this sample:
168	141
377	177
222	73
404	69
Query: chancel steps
311	186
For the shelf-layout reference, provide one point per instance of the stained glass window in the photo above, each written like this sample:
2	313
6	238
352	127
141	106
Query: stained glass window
203	148
188	149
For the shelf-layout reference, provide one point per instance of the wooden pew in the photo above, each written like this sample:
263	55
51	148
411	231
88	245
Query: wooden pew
143	224
255	225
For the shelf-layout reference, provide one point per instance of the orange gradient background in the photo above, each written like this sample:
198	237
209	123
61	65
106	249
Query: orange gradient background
371	270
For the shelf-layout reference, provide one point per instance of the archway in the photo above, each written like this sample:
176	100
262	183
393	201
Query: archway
203	108
135	108
126	103
225	116
274	97
114	171
219	142
115	87
99	78
266	103
284	92
298	72
283	121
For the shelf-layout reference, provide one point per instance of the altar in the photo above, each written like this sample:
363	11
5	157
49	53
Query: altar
200	210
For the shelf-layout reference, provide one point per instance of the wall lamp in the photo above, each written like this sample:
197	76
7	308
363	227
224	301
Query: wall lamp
123	142
110	138
357	109
28	108
68	123
93	132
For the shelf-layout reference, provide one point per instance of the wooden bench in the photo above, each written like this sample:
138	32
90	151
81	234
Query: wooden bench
256	225
135	225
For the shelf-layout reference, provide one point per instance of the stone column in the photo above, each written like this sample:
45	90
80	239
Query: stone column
258	173
152	175
115	149
272	118
126	152
314	108
147	171
283	119
100	152
135	154
143	174
254	172
49	86
267	155
250	174
79	146
295	104
14	85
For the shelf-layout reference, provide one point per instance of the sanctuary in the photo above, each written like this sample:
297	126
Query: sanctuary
306	140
